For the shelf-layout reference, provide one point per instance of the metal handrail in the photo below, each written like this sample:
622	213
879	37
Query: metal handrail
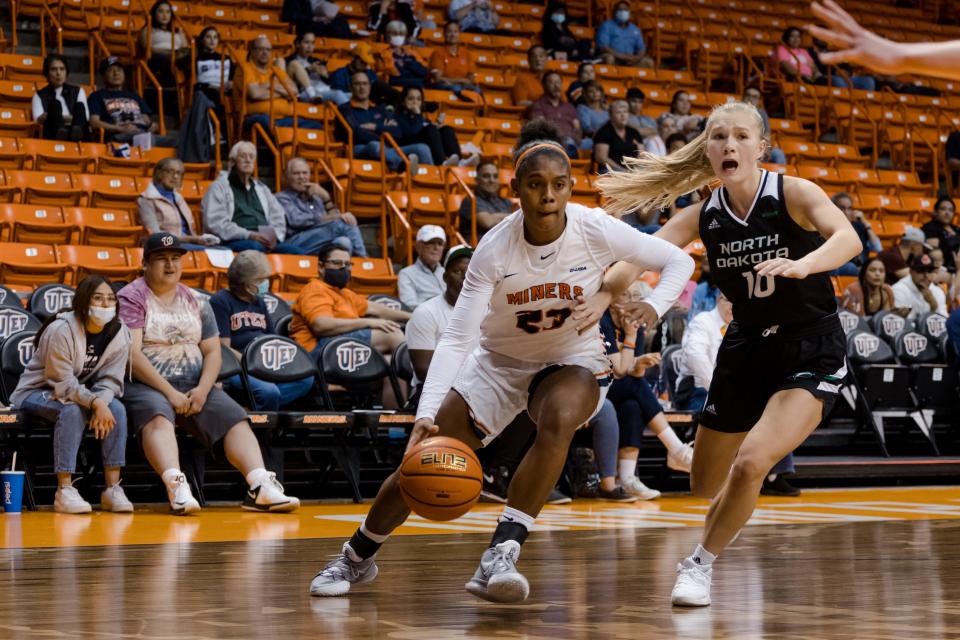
45	10
144	70
254	130
216	132
341	192
387	139
473	205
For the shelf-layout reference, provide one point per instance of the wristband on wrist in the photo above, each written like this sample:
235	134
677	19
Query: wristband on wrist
628	345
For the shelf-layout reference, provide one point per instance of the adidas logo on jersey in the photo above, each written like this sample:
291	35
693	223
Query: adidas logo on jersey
713	224
711	409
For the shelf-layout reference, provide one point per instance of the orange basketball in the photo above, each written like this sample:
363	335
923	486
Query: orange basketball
441	478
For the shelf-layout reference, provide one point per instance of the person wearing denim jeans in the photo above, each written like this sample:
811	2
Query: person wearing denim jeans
73	381
242	316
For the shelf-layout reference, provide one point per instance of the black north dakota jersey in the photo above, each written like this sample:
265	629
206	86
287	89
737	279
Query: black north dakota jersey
735	247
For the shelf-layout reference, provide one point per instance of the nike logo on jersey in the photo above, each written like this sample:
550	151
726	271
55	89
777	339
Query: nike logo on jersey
713	224
548	255
509	275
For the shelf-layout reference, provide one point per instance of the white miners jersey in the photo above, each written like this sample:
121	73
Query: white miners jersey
519	297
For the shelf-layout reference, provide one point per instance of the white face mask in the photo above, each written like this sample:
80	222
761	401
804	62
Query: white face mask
623	16
397	41
102	315
559	18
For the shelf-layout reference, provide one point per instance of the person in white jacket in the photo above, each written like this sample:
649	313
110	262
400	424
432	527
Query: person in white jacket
701	342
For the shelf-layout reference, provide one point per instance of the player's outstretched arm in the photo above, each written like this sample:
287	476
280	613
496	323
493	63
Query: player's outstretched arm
862	47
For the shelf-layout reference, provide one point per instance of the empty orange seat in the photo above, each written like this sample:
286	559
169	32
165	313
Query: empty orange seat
44	187
30	264
373	275
107	261
105	227
36	223
294	271
109	191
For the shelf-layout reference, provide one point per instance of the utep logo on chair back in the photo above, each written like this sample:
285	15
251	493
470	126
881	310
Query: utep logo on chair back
866	344
277	353
57	298
936	324
272	303
353	355
13	321
25	350
849	321
914	344
892	324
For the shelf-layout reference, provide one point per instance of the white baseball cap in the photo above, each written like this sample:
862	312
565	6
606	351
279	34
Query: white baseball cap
430	232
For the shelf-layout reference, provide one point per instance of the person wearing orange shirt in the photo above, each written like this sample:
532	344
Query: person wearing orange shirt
452	67
528	85
254	79
327	309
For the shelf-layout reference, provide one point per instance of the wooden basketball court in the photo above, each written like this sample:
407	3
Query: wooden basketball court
876	564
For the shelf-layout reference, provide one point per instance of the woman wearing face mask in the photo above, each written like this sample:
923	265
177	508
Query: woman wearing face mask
557	37
242	316
73	381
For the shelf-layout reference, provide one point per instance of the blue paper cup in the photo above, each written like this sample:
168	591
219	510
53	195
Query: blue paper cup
12	485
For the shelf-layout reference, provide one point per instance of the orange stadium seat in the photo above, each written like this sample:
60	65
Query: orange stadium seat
105	227
373	275
109	190
108	261
30	264
294	271
55	155
44	187
36	223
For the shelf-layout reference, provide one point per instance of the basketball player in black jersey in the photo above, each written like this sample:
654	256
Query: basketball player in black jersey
771	241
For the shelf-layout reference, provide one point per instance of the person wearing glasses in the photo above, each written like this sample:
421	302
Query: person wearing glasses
161	207
264	81
327	309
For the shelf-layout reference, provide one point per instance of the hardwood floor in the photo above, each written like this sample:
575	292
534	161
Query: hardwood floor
837	579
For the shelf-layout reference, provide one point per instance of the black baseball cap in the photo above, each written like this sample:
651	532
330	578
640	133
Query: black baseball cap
459	251
161	241
922	263
108	62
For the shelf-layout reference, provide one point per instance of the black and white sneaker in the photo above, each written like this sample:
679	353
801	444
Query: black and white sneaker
496	481
497	578
269	496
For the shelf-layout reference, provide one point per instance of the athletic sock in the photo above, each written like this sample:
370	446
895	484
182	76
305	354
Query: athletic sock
256	477
670	440
170	475
703	557
626	468
365	544
772	477
513	524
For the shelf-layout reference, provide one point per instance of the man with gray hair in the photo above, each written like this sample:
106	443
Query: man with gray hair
264	81
312	217
399	63
161	207
241	211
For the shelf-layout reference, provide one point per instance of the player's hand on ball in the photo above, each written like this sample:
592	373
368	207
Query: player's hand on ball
422	429
639	312
588	311
783	267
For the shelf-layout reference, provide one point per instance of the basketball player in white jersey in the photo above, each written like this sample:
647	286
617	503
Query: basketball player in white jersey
771	241
525	277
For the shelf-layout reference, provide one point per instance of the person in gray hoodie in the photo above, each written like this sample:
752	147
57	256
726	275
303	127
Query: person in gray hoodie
74	380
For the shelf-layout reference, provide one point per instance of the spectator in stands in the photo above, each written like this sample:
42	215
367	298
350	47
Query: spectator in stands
941	232
213	69
122	114
265	82
551	106
700	344
491	208
586	72
916	291
870	293
620	41
312	217
423	279
368	120
556	36
706	292
944	278
772	154
60	108
319	17
865	83
646	125
953	151
310	73
796	62
863	227
528	85
383	12
327	309
592	112
242	316
161	207
687	123
363	60
616	139
675	142
429	319
414	128
666	127
74	381
399	63
452	67
168	45
913	243
176	360
241	211
474	16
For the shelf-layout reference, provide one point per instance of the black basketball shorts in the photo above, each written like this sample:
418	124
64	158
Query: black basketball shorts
752	366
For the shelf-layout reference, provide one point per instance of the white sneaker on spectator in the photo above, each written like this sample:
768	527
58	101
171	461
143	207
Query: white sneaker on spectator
269	496
634	487
692	588
115	500
681	459
181	498
68	500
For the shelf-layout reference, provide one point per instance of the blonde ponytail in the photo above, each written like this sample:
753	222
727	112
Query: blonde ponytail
653	182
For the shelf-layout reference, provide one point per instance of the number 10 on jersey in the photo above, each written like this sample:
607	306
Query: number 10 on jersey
759	287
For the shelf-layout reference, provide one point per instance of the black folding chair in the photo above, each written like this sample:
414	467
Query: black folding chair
390	301
16	319
277	307
282	325
9	298
933	325
852	322
934	382
888	325
15	352
403	369
50	299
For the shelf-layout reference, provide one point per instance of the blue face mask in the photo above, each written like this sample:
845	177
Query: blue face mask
622	16
559	18
263	287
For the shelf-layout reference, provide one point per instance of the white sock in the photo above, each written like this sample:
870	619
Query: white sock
771	477
515	515
376	537
670	440
703	557
256	477
170	475
626	468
